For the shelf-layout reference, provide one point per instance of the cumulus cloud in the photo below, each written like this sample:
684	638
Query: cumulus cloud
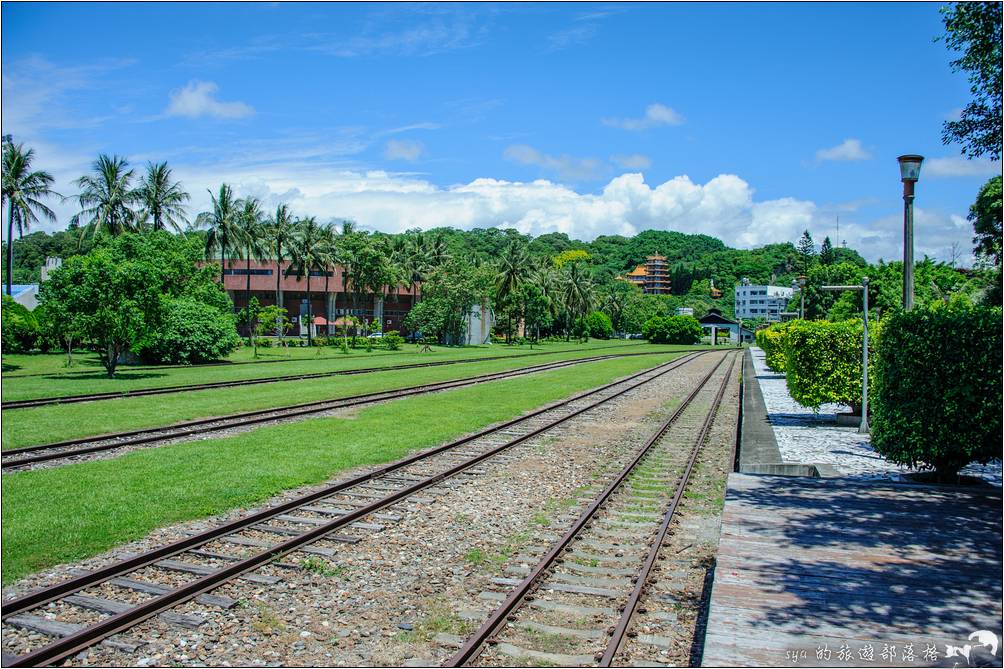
656	114
633	161
403	149
198	98
849	149
957	166
565	166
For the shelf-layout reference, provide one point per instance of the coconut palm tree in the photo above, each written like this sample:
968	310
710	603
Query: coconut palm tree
577	292
163	201
23	191
513	265
250	220
307	255
224	230
279	232
328	255
107	195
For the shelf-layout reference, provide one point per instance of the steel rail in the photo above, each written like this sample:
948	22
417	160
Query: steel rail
71	644
642	582
218	423
165	390
502	614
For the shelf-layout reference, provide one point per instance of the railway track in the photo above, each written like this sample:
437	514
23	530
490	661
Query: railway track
313	524
73	449
577	604
166	390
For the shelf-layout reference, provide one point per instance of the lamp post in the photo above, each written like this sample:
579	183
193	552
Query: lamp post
863	428
909	171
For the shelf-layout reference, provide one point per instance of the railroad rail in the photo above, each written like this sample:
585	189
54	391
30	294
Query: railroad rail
166	390
27	456
312	523
616	573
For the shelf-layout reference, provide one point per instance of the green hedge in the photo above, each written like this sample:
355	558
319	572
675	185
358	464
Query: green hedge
823	362
772	341
20	328
937	399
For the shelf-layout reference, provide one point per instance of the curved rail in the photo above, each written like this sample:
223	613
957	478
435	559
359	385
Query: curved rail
394	481
522	593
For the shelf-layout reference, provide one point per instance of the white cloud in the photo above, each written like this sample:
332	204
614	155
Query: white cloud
565	166
957	166
403	149
849	149
633	161
573	36
656	114
198	98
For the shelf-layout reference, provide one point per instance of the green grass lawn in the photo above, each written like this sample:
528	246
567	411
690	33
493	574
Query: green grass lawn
90	377
48	424
72	512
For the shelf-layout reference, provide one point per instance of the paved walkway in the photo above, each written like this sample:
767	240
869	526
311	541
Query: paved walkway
835	572
814	438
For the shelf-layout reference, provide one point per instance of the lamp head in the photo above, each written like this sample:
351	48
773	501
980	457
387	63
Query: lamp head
909	167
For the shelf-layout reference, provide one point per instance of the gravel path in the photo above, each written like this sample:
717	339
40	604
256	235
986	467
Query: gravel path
383	601
815	438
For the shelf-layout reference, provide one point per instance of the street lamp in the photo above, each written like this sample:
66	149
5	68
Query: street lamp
863	429
799	285
909	172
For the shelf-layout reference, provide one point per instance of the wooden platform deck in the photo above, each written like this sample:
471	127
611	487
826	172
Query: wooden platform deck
827	572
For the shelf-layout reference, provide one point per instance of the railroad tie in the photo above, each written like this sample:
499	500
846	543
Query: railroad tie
60	630
154	589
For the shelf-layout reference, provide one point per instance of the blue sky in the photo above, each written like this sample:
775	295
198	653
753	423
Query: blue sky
750	122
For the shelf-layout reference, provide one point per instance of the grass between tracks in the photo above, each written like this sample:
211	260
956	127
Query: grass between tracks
89	377
48	424
72	512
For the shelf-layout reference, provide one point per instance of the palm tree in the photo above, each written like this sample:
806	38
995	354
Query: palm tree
163	201
328	255
107	195
224	231
23	190
252	246
280	236
512	272
577	292
307	254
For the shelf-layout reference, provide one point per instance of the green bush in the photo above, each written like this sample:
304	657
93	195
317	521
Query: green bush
823	362
191	332
773	342
672	330
937	397
263	342
598	325
20	329
392	340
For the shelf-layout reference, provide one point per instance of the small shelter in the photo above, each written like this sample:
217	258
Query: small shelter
714	321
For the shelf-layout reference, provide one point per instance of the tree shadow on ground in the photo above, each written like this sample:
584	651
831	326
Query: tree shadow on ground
886	563
120	375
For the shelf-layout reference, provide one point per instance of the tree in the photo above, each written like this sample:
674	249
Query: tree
106	196
328	256
307	254
577	292
223	226
806	252
279	238
826	255
974	28
163	201
512	270
673	330
23	191
272	318
252	247
986	215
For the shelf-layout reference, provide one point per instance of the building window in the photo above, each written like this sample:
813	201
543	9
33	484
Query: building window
245	272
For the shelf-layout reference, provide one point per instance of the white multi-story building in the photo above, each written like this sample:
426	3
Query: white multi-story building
765	302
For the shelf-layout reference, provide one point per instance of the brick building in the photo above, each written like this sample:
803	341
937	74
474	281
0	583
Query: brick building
335	304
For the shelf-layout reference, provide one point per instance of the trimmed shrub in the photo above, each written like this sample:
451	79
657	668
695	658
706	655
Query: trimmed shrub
937	399
20	328
263	342
823	362
672	330
392	340
598	325
191	332
773	342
